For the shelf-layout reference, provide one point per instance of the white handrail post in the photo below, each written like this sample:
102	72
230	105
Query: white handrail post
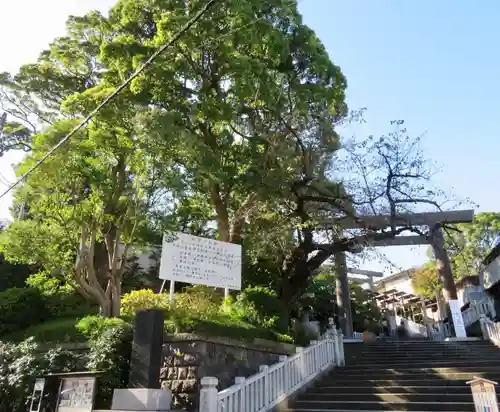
208	394
336	347
302	363
333	349
265	371
315	360
341	346
243	403
285	378
329	354
484	330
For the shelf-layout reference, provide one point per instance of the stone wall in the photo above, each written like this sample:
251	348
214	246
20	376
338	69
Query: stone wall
187	358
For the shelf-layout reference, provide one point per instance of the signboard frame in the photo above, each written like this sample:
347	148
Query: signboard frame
197	260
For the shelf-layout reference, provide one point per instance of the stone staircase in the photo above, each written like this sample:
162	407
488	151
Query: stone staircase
403	376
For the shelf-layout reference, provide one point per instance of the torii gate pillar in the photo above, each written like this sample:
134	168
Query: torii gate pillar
443	263
344	310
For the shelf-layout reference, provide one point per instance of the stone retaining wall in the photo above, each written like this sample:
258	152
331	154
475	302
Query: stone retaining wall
187	358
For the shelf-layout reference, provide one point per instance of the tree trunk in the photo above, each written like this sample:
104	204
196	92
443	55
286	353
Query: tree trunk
222	216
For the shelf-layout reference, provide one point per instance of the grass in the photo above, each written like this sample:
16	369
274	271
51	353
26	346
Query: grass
64	330
222	326
191	313
57	331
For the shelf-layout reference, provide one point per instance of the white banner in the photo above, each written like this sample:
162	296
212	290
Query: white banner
193	259
458	321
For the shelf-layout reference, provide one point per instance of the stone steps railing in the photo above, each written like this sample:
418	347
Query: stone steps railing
357	335
490	329
412	328
475	310
274	384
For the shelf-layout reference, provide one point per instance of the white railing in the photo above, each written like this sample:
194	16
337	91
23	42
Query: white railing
357	335
490	329
412	328
273	384
475	310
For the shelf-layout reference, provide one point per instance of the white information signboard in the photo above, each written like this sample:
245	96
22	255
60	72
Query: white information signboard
193	259
458	321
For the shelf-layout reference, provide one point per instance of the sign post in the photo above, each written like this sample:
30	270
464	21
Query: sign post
458	320
192	259
484	395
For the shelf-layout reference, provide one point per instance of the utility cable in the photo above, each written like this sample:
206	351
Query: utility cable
111	96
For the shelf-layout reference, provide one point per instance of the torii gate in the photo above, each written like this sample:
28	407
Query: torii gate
435	238
370	274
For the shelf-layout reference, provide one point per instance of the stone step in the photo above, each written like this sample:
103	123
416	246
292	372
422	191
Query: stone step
457	379
452	388
388	397
450	351
356	405
383	351
347	410
404	370
425	344
403	359
429	363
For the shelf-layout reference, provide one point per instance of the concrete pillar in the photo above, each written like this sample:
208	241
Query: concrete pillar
147	349
371	285
444	268
443	263
343	298
441	313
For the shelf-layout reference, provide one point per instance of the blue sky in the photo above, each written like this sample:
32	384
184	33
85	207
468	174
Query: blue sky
432	63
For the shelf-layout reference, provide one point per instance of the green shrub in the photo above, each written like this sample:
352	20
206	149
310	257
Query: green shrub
20	364
93	326
143	299
20	308
23	308
110	353
68	305
48	284
256	305
196	304
55	331
62	301
198	310
303	336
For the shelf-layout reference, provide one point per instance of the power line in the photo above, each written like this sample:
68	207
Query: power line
176	37
110	97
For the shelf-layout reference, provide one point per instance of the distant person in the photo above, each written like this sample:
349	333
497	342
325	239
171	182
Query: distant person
401	330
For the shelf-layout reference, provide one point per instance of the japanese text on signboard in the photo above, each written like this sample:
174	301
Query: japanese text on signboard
192	259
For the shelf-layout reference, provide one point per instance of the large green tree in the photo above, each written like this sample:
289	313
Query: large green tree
221	113
467	245
233	128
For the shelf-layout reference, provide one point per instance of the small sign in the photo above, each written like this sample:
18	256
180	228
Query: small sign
76	394
458	320
484	395
193	259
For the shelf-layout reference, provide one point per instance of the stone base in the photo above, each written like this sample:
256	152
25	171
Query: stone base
157	400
